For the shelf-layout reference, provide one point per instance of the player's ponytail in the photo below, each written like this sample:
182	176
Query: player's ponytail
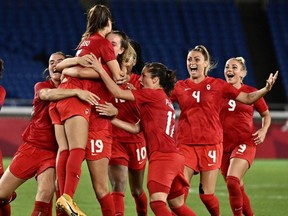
167	77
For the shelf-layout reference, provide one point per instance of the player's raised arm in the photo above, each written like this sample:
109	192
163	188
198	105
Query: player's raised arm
250	98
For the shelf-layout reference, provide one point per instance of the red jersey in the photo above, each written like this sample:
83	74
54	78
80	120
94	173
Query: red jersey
101	48
237	120
157	120
97	122
40	131
129	112
2	96
200	104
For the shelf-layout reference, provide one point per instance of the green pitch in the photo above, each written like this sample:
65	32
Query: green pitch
266	184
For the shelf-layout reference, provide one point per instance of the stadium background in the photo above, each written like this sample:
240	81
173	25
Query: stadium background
166	29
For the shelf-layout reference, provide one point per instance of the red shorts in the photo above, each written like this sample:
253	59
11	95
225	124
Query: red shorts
132	155
54	114
29	161
72	106
202	157
165	173
246	152
99	145
2	169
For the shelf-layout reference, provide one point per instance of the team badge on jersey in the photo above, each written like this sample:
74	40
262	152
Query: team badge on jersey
208	86
86	111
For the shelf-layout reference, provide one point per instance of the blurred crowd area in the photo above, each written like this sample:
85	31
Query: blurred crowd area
166	29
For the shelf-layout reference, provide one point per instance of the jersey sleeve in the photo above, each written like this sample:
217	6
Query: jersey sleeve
2	96
174	93
230	91
144	96
261	105
38	86
107	51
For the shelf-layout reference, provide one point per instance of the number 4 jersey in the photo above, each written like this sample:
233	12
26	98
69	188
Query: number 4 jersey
200	104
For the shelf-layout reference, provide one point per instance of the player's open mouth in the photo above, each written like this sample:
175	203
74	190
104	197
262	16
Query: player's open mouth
193	69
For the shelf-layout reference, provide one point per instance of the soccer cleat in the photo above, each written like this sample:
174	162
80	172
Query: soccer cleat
66	203
9	200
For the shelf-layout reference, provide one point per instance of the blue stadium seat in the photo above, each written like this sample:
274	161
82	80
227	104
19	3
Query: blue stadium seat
30	33
166	30
278	20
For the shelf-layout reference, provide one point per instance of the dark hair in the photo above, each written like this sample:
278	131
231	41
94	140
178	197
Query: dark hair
1	68
124	43
97	18
45	73
139	61
166	76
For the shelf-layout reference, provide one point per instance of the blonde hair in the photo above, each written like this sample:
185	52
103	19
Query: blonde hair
202	49
241	61
129	56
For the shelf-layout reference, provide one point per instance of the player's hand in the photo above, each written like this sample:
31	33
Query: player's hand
86	60
259	136
88	96
271	80
107	109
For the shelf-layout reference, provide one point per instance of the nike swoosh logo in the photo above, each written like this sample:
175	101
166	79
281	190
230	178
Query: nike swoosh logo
211	164
140	162
186	89
73	213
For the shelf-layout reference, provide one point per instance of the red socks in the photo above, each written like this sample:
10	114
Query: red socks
61	170
107	205
235	195
141	204
211	202
5	210
247	209
73	170
118	199
41	208
159	208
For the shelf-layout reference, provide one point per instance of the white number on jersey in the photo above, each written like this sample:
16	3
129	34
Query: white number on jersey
170	128
96	146
141	153
117	100
242	148
196	95
232	105
212	155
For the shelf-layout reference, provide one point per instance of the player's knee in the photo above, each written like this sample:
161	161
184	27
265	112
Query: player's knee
119	186
201	191
45	194
136	192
